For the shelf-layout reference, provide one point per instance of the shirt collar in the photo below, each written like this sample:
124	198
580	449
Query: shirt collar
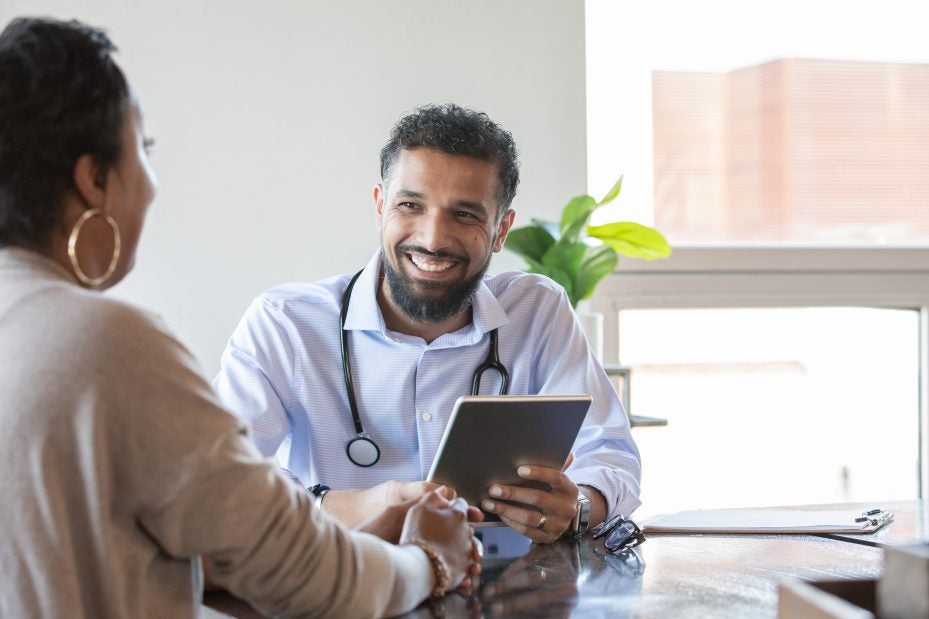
363	311
364	314
488	312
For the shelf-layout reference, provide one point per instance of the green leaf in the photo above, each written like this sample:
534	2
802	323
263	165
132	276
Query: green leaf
535	266
530	242
612	193
549	226
598	262
631	239
575	216
566	257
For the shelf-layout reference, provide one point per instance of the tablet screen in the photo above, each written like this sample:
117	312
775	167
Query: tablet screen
489	437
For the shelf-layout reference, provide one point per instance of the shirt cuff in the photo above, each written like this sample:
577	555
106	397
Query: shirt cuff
619	488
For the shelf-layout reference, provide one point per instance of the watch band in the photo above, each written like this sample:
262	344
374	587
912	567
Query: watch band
319	492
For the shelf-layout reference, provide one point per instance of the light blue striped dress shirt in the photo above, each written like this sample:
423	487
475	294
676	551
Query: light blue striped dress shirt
282	373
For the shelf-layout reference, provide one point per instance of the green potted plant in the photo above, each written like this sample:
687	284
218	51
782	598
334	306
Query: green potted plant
578	255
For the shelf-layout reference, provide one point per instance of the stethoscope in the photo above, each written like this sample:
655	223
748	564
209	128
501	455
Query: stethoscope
362	450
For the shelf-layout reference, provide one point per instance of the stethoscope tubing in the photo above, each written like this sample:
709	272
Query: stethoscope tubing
359	448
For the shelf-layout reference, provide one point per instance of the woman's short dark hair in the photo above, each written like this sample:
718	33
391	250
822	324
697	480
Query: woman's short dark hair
61	96
456	130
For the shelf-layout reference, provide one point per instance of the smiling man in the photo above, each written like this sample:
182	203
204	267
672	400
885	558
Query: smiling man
353	378
439	226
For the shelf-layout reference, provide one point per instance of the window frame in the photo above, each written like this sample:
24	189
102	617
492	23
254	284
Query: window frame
759	276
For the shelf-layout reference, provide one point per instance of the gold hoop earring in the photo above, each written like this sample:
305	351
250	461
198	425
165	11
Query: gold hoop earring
93	282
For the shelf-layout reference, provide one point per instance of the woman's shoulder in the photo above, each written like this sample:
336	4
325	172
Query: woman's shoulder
96	310
102	324
74	337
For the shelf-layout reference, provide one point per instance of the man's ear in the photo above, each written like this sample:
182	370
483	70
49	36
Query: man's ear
379	195
503	228
89	181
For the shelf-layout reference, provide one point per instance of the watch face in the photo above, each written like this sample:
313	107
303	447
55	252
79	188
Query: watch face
582	516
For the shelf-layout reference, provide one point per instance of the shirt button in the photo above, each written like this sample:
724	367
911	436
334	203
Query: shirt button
427	416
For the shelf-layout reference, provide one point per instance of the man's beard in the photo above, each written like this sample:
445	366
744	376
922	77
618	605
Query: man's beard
425	308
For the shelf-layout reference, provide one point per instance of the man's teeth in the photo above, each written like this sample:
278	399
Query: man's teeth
430	266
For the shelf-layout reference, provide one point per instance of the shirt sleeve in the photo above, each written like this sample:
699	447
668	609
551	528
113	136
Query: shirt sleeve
256	375
199	487
605	455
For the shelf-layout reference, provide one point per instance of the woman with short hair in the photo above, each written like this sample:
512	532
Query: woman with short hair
119	467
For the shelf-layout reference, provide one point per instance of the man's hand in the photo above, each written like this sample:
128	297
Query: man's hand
388	524
551	511
354	507
554	509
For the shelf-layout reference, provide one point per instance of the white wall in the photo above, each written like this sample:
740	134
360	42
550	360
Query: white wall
269	118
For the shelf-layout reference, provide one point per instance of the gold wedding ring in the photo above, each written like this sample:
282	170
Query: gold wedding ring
541	522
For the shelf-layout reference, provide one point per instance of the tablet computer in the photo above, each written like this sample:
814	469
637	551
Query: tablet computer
489	437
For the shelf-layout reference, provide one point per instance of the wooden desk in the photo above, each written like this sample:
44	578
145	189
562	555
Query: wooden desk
683	576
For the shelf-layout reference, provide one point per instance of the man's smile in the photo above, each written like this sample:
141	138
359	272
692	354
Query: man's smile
433	266
432	263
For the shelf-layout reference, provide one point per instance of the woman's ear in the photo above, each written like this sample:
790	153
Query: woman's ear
89	181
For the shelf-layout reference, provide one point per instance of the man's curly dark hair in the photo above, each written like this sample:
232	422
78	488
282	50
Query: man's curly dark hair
455	130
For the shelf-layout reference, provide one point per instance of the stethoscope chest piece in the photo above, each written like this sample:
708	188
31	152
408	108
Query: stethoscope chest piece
363	451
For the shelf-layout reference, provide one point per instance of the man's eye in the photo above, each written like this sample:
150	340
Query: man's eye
466	215
412	205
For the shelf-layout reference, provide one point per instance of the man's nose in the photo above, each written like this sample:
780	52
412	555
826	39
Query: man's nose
435	231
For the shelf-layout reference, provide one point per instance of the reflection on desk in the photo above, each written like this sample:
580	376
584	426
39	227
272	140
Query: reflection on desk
690	576
674	576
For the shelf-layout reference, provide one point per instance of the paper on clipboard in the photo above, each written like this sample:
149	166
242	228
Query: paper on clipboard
769	521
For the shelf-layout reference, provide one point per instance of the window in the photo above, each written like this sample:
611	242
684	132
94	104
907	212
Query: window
777	390
783	150
808	323
778	122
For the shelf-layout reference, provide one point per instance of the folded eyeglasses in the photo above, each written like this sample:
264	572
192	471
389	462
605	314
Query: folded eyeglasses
621	534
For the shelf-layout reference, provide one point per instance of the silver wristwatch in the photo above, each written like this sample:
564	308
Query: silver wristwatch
319	492
581	516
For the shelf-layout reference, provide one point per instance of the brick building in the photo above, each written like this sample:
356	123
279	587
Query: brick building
793	150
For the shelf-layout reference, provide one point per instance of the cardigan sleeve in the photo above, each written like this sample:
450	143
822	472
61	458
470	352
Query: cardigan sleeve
200	488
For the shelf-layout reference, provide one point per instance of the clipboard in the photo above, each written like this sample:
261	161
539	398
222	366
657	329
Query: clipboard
770	521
